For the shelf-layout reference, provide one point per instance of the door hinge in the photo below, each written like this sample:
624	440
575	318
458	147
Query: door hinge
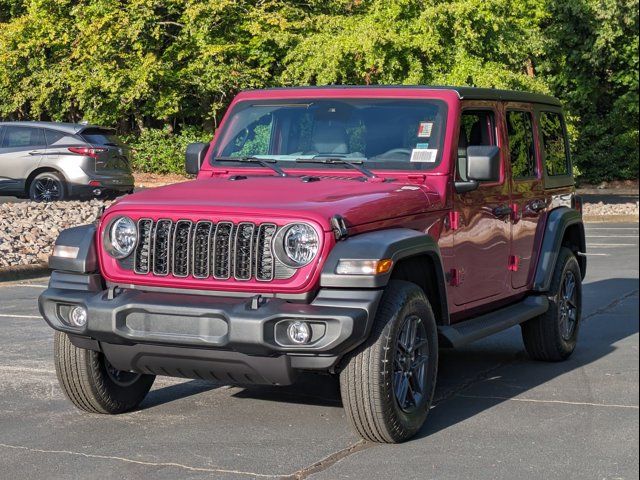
454	220
514	263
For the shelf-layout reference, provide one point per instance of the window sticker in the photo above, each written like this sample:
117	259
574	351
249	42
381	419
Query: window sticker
424	155
422	145
424	129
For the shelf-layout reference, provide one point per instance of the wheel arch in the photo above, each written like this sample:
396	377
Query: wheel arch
38	171
416	258
564	227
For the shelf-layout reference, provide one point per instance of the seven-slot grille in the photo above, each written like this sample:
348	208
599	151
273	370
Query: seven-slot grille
206	249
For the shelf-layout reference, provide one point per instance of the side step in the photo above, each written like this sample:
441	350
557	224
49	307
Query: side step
474	329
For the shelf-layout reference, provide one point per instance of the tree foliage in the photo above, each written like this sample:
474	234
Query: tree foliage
141	64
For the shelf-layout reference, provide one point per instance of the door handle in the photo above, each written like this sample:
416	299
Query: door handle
502	211
537	205
36	152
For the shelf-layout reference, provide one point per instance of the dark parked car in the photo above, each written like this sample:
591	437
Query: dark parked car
49	161
345	231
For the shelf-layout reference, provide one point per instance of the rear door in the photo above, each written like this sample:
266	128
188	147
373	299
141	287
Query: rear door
527	191
113	156
20	153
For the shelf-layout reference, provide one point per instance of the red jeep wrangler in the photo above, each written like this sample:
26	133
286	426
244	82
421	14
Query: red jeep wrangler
341	230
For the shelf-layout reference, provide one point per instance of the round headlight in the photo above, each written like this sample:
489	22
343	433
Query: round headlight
301	244
123	236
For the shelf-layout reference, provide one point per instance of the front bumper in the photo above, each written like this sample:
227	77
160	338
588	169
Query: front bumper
237	339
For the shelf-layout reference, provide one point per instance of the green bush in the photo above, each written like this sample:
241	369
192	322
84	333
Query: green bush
160	151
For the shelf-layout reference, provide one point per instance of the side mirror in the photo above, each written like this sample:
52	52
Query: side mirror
483	165
195	156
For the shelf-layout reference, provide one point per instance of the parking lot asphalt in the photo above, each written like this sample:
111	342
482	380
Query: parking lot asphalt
497	415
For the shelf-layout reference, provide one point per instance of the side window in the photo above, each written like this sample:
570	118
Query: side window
16	137
53	136
556	160
477	127
521	144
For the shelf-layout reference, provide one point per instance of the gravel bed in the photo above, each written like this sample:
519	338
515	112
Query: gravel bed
28	230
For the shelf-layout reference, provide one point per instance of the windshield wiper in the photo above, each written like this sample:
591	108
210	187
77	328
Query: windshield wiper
356	164
267	163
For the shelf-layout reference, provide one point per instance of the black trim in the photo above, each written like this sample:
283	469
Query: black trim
462	333
558	221
87	259
466	93
396	244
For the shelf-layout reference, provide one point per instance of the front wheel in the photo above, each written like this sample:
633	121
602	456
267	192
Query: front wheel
553	335
387	384
92	383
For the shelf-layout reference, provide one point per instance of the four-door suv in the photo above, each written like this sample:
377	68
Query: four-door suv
48	161
350	231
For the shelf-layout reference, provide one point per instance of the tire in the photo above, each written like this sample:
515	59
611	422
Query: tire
552	336
47	187
92	384
372	378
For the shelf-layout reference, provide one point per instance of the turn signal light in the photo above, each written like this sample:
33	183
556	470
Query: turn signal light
364	267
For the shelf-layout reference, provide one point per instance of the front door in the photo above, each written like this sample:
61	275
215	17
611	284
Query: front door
527	192
481	220
21	149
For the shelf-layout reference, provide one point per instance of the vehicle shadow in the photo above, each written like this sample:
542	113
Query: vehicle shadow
459	369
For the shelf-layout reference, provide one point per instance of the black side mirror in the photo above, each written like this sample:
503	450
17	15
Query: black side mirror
483	165
195	156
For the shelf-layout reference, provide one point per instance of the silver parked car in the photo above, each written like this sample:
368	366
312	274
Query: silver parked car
49	161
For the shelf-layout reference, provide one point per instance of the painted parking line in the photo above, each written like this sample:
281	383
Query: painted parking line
611	245
609	236
10	315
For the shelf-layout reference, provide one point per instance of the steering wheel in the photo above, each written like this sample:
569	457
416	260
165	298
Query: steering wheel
393	151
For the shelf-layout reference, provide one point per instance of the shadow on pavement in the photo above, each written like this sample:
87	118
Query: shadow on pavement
458	370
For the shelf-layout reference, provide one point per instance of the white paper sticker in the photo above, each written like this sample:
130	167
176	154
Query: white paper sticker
426	155
424	129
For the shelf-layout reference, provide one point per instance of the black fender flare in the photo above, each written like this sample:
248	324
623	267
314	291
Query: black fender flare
86	259
558	221
395	244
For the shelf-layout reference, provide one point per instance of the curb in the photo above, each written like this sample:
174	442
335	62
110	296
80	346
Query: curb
610	218
23	272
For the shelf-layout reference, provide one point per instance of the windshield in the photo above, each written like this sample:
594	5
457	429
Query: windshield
380	133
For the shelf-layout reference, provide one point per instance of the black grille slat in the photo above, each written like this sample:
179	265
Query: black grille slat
142	255
181	248
201	248
161	247
205	249
264	265
221	250
243	251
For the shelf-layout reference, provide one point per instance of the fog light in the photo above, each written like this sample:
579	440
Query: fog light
78	316
299	332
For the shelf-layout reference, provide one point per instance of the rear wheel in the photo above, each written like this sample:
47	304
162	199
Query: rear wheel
553	336
387	384
47	187
92	383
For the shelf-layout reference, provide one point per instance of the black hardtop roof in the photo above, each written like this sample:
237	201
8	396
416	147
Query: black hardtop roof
467	93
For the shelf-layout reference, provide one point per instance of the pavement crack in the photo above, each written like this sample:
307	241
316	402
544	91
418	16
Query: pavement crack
140	462
610	305
330	460
563	402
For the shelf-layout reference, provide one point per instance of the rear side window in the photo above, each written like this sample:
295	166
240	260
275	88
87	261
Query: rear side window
521	144
556	160
53	136
100	136
16	137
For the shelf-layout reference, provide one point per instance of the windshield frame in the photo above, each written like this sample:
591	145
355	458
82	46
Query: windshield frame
407	166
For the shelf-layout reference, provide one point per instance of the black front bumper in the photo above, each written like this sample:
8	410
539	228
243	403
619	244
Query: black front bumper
232	339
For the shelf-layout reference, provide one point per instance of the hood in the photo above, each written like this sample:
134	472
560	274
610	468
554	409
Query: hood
359	202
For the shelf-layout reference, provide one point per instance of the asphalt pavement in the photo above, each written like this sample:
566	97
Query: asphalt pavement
497	415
